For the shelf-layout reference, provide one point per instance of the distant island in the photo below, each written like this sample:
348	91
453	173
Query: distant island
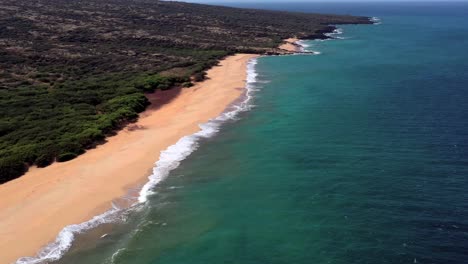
74	72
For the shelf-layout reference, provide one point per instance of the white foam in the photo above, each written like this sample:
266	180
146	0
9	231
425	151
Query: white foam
332	36
64	240
116	254
335	33
304	48
302	44
168	161
376	20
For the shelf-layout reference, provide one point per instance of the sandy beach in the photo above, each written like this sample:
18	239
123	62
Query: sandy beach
290	45
35	207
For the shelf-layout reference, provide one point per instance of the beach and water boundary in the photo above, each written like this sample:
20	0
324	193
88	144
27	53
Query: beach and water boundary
139	188
353	156
96	186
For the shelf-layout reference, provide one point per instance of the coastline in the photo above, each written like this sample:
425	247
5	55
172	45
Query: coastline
290	45
87	189
294	45
76	191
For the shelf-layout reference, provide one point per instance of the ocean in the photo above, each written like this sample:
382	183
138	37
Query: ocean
358	155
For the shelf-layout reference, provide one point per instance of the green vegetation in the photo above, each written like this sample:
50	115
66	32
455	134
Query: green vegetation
74	72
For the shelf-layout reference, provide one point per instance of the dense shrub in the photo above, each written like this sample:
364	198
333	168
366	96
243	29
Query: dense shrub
44	160
66	156
158	82
187	84
200	76
89	136
11	169
63	91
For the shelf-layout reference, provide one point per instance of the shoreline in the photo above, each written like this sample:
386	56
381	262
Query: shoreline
291	45
62	186
78	190
295	45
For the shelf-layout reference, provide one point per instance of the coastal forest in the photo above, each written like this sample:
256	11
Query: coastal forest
74	72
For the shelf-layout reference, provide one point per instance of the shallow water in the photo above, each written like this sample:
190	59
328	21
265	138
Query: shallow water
356	155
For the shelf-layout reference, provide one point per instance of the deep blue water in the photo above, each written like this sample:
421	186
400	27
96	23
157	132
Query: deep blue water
356	155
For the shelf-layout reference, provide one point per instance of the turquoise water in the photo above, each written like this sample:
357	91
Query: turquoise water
356	155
